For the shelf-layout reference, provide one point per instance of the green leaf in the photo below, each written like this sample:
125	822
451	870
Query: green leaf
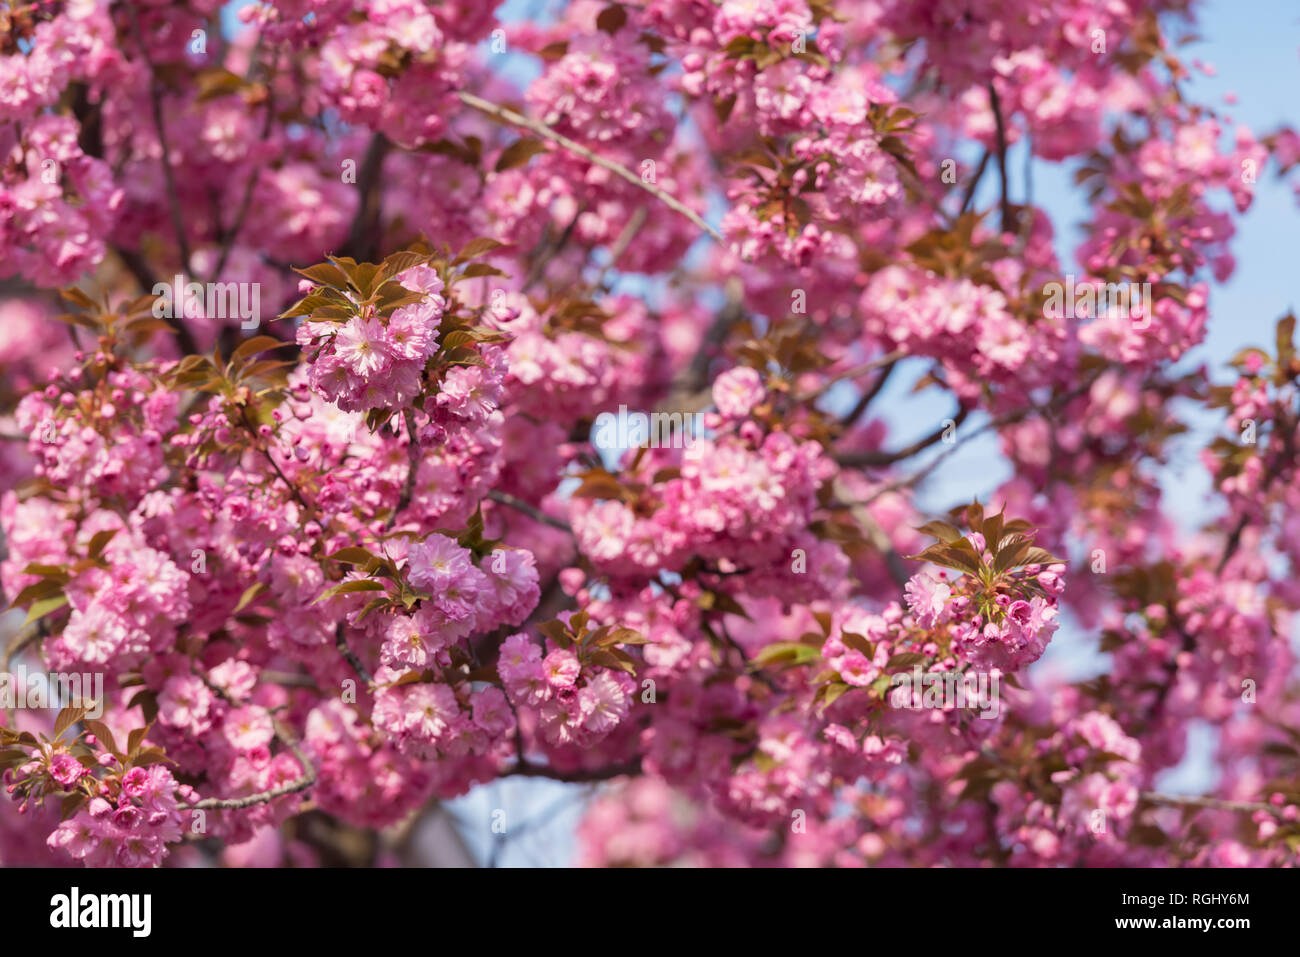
397	263
134	739
250	347
475	248
218	82
71	804
325	274
941	530
148	702
556	631
599	484
249	594
150	756
355	555
787	654
47	571
105	736
348	587
99	541
1011	552
307	305
42	608
723	107
833	692
720	601
476	270
554	51
607	659
857	643
992	530
1041	556
611	19
44	588
905	659
518	153
73	294
66	719
623	636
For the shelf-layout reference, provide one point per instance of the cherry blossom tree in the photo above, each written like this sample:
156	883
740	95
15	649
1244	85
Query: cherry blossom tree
314	313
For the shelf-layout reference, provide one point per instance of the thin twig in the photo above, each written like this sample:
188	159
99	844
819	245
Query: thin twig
169	180
507	115
996	106
341	643
228	240
869	395
1209	803
749	667
20	641
921	191
412	466
689	390
1015	416
879	540
289	679
544	257
578	776
878	457
137	267
362	242
978	175
624	240
300	783
1274	470
877	363
536	514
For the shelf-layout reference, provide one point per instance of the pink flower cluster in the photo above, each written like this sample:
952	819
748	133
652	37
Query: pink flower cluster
463	598
575	703
427	720
367	362
133	833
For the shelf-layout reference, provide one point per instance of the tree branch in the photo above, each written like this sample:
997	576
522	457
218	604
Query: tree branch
300	783
1209	803
155	101
689	390
878	457
978	175
532	511
228	238
868	396
879	540
852	373
362	244
1001	420
576	777
341	643
996	106
507	115
412	466
630	229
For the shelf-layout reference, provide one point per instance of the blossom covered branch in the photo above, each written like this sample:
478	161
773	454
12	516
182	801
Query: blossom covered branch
394	433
